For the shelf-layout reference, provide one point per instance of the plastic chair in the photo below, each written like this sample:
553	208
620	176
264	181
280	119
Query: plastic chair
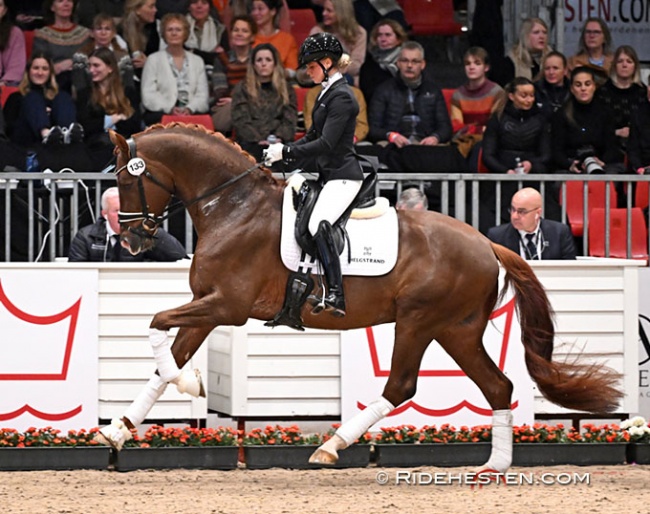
301	94
199	119
29	42
617	233
5	91
302	21
641	194
431	17
575	202
448	93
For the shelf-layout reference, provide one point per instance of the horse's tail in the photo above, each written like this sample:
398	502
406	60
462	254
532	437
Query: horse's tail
587	387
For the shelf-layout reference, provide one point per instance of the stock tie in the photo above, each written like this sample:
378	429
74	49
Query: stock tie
531	247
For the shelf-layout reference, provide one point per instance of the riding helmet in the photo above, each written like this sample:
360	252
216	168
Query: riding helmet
318	46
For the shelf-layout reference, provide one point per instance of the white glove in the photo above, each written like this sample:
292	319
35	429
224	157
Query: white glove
272	154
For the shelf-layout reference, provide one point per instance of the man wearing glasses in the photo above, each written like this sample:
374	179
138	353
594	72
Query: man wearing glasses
530	235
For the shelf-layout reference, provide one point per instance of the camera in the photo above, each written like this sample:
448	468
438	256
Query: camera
586	157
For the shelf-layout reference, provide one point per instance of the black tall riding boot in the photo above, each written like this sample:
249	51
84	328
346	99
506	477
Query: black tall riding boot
329	258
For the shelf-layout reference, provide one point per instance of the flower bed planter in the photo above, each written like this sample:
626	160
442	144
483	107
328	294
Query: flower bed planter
54	458
297	457
179	457
638	453
579	454
442	455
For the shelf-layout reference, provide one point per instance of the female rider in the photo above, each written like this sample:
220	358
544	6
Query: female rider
330	142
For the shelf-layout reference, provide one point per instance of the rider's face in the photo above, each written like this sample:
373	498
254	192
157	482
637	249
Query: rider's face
315	71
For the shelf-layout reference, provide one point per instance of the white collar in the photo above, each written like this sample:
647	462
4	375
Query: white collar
329	82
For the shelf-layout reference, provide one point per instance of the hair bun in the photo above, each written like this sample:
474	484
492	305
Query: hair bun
344	61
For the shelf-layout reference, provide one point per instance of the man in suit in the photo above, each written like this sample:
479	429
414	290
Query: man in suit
531	236
99	242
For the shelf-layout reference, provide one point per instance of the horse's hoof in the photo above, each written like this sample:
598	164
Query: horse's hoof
320	456
114	435
190	382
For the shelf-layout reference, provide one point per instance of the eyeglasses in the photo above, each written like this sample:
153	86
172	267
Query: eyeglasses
410	61
593	32
522	212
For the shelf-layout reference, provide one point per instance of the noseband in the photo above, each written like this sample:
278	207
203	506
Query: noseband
137	167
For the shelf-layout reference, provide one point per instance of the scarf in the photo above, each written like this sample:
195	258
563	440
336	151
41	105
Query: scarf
210	35
386	59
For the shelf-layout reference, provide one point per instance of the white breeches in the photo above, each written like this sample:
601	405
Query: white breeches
334	198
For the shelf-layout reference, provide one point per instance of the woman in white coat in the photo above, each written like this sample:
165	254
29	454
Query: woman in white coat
174	80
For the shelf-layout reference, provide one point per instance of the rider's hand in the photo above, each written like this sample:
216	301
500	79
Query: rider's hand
272	154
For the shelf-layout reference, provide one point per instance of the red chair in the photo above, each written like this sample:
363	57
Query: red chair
575	202
199	119
301	94
302	21
5	91
641	194
617	233
29	42
448	93
431	17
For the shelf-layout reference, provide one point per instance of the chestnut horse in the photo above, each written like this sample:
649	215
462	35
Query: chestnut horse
443	286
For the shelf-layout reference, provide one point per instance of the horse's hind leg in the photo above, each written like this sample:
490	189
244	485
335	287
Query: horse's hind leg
465	346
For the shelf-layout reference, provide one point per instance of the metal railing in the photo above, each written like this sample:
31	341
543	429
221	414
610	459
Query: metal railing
43	211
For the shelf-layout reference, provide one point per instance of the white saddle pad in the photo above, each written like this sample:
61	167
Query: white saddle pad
373	242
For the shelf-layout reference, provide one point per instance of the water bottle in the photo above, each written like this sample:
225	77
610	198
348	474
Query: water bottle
272	139
519	168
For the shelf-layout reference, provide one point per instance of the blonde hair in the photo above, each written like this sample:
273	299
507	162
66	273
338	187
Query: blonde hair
50	88
631	53
252	83
346	25
520	53
132	26
173	16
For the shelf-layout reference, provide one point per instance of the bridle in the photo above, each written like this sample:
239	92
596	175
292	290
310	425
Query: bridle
137	167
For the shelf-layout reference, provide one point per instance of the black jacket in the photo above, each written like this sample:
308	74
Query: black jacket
389	104
638	145
91	244
556	237
330	140
516	133
549	97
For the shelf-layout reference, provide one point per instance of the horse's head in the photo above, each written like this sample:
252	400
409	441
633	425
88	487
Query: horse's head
146	187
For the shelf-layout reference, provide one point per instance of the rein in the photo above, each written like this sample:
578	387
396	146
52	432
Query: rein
151	222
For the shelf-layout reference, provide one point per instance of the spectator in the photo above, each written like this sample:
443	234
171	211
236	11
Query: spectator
99	242
60	38
638	148
380	64
106	105
530	235
623	92
27	13
12	157
174	80
361	128
12	49
230	69
208	36
265	13
88	9
412	199
339	20
140	31
525	58
369	12
104	35
552	89
594	49
263	104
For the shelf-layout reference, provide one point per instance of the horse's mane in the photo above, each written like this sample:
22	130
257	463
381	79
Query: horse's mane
201	129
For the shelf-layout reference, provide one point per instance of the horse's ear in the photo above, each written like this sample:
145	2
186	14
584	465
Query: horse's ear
119	142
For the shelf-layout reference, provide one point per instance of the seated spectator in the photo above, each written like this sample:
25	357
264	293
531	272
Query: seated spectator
208	36
525	58
140	31
638	147
42	118
99	242
60	38
174	80
88	9
12	50
412	199
530	235
12	157
339	20
361	128
623	92
105	105
265	13
230	69
594	49
104	35
385	43
552	90
263	104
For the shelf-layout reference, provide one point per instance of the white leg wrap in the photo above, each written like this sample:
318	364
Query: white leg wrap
165	362
501	455
115	434
138	410
189	381
357	426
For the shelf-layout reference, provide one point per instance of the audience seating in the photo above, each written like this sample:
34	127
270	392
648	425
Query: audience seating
448	93
199	119
431	17
5	91
617	233
302	21
29	42
641	194
301	93
575	202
